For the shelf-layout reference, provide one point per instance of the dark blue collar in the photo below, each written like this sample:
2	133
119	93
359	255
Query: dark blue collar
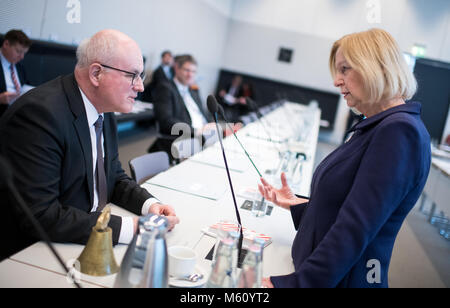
410	107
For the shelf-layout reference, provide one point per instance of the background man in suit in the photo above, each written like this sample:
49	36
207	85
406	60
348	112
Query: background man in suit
61	141
12	75
234	98
163	73
178	101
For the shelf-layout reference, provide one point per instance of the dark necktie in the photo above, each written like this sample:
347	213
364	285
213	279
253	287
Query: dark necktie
100	167
14	79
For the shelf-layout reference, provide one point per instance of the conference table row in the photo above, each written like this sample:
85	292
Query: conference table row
285	139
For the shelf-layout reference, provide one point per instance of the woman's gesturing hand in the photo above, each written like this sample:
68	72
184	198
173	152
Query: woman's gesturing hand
283	197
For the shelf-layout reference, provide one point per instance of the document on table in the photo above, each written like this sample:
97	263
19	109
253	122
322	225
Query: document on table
192	180
25	88
236	161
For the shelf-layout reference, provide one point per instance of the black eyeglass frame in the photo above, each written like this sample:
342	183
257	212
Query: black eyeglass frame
141	75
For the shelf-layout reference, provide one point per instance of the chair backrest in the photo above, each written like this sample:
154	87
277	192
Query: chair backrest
185	148
148	165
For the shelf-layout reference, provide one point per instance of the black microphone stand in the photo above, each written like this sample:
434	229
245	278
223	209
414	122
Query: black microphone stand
37	226
213	108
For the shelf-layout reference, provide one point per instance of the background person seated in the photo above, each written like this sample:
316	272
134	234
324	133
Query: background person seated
163	73
12	74
178	101
233	98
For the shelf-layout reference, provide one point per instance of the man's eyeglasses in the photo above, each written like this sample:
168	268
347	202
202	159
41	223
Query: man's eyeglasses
133	75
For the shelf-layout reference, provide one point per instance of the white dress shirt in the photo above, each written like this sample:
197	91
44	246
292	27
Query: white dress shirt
167	70
7	73
127	230
197	118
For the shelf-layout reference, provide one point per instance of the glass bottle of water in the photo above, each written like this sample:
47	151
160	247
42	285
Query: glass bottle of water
222	267
251	273
261	243
234	235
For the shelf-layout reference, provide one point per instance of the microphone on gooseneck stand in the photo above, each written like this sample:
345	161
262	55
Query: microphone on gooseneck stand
213	108
254	106
7	177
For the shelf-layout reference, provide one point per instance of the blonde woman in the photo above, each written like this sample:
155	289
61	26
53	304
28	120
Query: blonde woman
362	192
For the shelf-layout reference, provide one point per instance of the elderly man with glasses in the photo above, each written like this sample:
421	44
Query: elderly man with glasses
61	142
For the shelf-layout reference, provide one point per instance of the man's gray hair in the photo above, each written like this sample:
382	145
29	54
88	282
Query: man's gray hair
99	48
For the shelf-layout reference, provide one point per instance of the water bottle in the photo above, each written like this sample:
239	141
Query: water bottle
222	267
234	236
156	268
145	264
251	273
261	243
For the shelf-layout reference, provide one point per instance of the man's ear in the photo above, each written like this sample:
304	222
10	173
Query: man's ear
95	72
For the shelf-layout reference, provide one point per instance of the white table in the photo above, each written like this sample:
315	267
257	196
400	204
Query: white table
36	267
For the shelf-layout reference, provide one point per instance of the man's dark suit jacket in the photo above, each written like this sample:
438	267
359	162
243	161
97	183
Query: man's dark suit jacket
158	77
45	136
235	111
360	196
170	109
22	79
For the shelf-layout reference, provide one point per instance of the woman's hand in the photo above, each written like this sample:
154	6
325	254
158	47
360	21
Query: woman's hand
283	197
266	283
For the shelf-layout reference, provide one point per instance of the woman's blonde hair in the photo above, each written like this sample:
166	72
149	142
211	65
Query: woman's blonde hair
375	55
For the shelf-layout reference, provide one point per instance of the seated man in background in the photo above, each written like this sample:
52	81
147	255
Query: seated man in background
233	98
178	101
61	142
163	73
12	75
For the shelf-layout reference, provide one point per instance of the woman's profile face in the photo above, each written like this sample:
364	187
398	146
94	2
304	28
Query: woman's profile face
349	81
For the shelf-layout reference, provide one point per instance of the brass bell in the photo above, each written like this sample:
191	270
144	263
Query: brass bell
97	258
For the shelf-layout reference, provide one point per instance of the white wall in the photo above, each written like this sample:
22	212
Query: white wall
198	27
260	27
410	21
242	35
22	14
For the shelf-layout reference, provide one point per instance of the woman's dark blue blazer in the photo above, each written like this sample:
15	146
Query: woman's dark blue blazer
360	196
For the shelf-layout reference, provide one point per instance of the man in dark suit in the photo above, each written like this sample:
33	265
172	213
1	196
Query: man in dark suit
61	142
178	101
12	75
163	73
233	98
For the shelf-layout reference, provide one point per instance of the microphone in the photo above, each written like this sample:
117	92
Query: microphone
259	116
254	106
213	107
7	176
212	104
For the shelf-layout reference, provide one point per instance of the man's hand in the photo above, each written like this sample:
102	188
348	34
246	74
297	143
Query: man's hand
235	127
7	97
242	101
167	211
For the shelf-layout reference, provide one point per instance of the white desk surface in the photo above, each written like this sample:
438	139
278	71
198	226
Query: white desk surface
442	164
36	267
